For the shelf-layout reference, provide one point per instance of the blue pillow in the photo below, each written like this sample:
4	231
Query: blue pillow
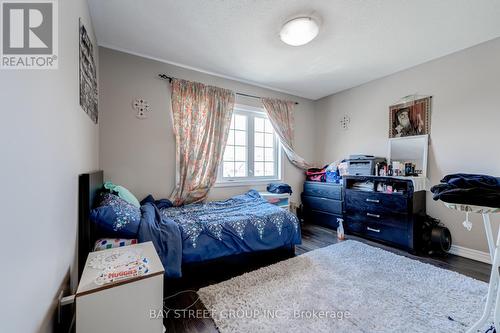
116	217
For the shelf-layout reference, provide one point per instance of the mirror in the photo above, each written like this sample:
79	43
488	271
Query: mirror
410	149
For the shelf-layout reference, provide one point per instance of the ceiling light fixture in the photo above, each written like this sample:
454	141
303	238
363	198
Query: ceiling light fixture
299	31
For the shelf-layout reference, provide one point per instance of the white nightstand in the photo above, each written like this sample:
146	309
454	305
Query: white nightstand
124	305
281	200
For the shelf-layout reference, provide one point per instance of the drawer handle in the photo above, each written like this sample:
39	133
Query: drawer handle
373	200
371	229
373	215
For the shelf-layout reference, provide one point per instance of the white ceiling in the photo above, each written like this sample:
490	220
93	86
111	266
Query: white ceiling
359	40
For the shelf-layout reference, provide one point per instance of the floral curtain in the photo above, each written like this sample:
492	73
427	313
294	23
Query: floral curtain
201	118
281	115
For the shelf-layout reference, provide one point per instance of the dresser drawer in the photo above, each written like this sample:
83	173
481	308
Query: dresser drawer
326	190
322	218
392	220
322	204
379	231
358	201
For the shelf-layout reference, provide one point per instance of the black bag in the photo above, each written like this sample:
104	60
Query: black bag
435	238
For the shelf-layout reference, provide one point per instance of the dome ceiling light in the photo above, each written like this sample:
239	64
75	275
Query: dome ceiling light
299	31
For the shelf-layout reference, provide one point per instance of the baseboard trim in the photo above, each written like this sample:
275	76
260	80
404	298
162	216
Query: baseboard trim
470	254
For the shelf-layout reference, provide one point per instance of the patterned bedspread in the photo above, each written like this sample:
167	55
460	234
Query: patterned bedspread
243	223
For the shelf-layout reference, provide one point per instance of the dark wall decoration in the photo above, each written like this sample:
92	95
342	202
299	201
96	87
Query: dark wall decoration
88	75
410	118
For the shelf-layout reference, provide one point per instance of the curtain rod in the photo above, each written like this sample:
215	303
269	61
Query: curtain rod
169	78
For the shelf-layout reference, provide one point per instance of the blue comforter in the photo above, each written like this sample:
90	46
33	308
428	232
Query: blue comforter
199	232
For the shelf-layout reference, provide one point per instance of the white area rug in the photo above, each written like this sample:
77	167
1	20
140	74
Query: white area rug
346	287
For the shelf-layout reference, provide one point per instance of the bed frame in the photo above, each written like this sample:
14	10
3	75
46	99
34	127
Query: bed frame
90	185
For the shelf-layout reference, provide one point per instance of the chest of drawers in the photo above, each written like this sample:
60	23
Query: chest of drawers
385	209
322	203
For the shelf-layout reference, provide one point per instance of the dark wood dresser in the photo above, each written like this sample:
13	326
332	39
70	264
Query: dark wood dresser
322	203
385	209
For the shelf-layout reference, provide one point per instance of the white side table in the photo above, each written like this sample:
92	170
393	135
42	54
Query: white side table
493	297
124	305
281	200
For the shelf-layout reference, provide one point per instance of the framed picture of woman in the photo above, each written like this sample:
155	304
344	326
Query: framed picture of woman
410	118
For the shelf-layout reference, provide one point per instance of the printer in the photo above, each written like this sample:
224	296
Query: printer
362	165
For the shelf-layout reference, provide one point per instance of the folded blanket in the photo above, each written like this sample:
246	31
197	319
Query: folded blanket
464	180
468	189
279	188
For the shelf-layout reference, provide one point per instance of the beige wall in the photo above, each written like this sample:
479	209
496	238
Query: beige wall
465	122
140	154
47	140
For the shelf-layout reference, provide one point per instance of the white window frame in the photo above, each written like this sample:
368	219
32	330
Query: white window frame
222	181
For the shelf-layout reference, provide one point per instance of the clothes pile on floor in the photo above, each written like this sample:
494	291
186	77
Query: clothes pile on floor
469	189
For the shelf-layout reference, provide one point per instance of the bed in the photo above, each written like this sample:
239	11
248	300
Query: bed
197	233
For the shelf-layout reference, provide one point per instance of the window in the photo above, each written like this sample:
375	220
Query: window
252	149
235	156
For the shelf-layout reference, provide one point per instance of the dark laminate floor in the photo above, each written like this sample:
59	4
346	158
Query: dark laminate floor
313	237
